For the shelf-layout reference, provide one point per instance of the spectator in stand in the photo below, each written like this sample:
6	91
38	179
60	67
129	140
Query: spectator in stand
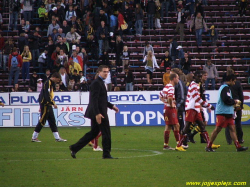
114	72
22	41
65	27
21	26
204	2
84	87
181	18
157	14
186	64
49	5
46	76
151	64
54	35
102	36
74	66
62	45
151	9
14	9
77	59
27	27
128	16
70	13
57	66
213	33
166	75
64	76
147	48
165	4
105	58
180	52
1	21
39	85
51	48
52	26
73	37
128	80
138	20
27	57
93	47
212	74
52	13
7	50
62	57
75	76
33	81
121	21
243	7
16	88
60	33
27	9
60	12
125	57
172	49
15	64
80	26
57	88
41	14
34	43
42	60
118	50
198	24
166	60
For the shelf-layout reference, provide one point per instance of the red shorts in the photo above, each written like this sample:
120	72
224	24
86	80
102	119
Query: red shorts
222	121
170	116
193	116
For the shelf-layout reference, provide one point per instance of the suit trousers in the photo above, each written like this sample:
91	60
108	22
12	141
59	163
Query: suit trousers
95	129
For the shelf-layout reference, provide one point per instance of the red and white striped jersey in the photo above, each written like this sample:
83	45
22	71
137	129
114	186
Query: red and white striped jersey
167	92
194	101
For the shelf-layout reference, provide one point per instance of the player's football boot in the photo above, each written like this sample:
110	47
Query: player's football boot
180	148
166	147
35	140
215	146
209	149
97	149
61	140
242	149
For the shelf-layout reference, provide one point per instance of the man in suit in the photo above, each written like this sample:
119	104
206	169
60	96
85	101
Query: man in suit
97	112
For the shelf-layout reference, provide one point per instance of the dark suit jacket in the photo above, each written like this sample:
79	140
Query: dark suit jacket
98	101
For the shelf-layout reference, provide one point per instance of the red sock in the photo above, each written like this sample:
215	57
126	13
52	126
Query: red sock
96	139
182	138
205	136
177	136
209	144
166	137
237	144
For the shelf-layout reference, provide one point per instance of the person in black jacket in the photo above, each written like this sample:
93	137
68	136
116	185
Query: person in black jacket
166	60
151	9
186	64
46	102
97	112
128	16
34	43
128	80
172	48
181	18
22	41
102	36
237	94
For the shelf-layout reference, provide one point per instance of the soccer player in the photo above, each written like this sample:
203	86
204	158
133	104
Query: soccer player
203	110
167	96
46	102
224	114
193	110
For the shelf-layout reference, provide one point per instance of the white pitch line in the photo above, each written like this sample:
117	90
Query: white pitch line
155	153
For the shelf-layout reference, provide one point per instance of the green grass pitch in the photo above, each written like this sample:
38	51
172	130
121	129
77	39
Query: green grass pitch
142	162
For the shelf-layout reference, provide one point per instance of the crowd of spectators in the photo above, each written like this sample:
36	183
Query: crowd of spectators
83	30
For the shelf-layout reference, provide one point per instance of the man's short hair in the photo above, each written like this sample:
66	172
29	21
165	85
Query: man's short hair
56	75
101	67
203	72
230	77
172	76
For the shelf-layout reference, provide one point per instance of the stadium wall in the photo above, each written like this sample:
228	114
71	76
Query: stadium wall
142	108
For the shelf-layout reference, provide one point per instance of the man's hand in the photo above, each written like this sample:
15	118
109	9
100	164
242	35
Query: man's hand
115	109
55	106
2	104
98	118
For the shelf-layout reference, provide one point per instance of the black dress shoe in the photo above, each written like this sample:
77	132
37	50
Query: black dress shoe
73	153
109	157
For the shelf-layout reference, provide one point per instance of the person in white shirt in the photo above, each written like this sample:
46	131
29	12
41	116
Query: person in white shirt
64	76
108	82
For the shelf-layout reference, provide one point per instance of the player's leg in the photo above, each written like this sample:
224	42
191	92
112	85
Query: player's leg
234	138
166	136
52	125
43	118
95	143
